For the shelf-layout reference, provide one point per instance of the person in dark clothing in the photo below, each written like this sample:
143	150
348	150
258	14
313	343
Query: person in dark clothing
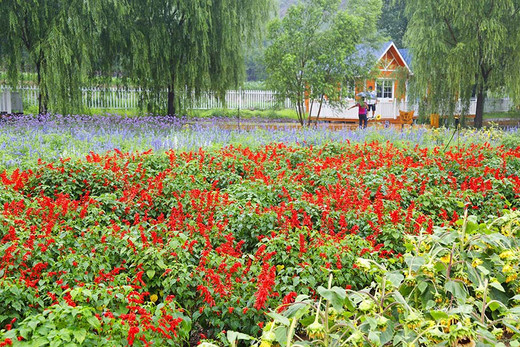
362	112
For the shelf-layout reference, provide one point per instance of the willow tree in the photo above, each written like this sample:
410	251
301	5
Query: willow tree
59	40
188	47
464	47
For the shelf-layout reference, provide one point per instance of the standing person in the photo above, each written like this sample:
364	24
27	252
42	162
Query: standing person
371	100
362	112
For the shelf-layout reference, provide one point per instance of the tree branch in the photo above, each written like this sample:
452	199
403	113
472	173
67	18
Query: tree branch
451	31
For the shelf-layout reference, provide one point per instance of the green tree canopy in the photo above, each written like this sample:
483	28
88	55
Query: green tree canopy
183	47
312	52
393	21
463	46
59	38
188	47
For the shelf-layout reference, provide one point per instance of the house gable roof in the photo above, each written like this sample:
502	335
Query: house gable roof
379	52
407	56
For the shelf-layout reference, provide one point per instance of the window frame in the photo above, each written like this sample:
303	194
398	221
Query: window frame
385	83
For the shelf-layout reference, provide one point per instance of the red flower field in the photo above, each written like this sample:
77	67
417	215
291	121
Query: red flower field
128	248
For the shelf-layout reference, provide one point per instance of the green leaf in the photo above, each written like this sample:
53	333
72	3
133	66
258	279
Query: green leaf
495	304
281	335
24	332
279	318
497	286
80	335
374	337
438	315
515	298
471	224
94	322
396	278
429	304
150	273
371	322
297	310
422	286
400	299
388	334
483	270
234	336
41	341
462	309
457	289
335	295
161	264
33	324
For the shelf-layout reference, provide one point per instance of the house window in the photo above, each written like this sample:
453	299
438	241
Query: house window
385	89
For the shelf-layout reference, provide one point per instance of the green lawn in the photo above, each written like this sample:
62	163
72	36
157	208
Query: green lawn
515	114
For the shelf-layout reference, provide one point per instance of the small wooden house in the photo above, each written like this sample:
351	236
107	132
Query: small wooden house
391	98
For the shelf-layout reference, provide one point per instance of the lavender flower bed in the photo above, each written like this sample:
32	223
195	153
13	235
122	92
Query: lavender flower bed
24	139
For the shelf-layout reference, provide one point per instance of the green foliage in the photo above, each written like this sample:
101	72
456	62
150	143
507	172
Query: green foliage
184	47
244	114
59	40
457	286
234	232
393	21
81	325
511	140
189	47
459	48
312	51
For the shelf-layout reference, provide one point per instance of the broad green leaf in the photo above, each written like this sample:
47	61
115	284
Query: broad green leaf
495	304
438	315
234	336
94	322
33	324
150	273
80	335
161	264
462	309
41	341
281	335
396	278
297	310
422	286
483	270
497	286
336	296
400	299
371	322
279	318
387	335
457	289
374	337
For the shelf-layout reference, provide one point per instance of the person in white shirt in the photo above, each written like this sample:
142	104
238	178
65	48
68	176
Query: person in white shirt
371	101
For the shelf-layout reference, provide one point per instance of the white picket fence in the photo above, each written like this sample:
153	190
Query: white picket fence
116	98
5	101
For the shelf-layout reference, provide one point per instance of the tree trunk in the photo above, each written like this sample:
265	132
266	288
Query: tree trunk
299	111
42	103
319	110
171	100
479	114
171	97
